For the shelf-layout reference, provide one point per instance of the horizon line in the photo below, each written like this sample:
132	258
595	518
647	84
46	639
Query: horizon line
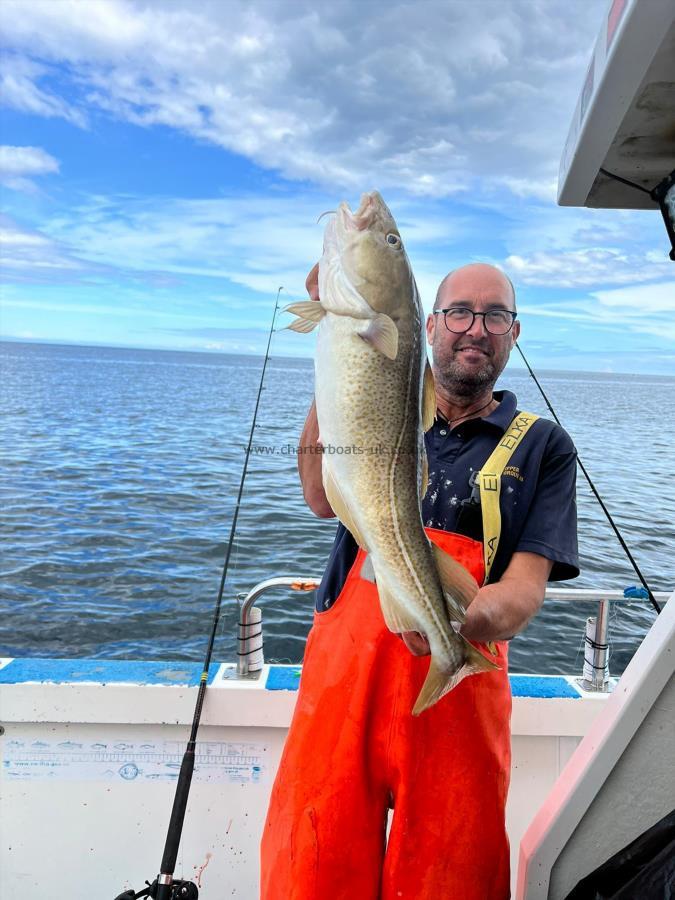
515	362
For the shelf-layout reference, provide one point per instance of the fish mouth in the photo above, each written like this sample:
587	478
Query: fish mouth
360	220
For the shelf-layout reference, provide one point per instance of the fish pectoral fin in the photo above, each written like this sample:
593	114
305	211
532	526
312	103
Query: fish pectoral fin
438	683
428	398
338	294
368	570
395	617
381	332
459	586
339	506
309	313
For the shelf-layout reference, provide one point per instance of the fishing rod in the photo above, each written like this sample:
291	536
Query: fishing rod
165	887
607	513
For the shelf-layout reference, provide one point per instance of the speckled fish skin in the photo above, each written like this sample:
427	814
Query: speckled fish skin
369	409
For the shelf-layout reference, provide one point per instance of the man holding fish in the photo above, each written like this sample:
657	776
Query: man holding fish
450	487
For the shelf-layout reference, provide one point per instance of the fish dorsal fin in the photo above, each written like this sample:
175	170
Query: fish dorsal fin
381	332
396	618
428	398
339	506
309	314
459	586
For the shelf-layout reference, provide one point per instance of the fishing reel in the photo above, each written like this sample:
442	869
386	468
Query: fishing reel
177	890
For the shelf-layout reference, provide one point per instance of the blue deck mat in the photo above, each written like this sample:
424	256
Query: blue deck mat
283	678
280	678
542	686
108	671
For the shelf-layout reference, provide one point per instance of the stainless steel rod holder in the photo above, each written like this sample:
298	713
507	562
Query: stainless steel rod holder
295	583
596	673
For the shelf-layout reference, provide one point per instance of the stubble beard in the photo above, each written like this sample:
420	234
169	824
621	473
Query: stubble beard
460	383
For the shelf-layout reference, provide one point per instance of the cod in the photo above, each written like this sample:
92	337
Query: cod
375	399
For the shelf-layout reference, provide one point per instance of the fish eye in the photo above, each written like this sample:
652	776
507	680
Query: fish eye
394	240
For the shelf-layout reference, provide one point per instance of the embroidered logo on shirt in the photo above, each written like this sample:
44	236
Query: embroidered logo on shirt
514	472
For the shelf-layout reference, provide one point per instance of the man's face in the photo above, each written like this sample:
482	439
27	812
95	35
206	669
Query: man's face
466	364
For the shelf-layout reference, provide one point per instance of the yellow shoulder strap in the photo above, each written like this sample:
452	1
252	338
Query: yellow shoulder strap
489	479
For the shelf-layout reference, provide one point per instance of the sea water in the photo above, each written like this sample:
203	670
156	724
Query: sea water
120	470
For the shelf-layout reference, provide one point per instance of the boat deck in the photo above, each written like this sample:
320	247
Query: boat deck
91	752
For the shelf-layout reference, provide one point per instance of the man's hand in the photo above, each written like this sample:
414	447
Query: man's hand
416	643
312	283
309	451
500	610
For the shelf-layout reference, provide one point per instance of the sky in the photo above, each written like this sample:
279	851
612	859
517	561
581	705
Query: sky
163	167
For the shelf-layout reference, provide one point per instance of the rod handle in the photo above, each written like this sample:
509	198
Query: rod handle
177	816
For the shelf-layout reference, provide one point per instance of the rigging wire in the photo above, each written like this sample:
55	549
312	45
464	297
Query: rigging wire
165	879
607	513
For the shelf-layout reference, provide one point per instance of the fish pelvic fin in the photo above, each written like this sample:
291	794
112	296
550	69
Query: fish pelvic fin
339	506
395	617
309	313
424	475
368	570
428	398
438	683
459	586
382	334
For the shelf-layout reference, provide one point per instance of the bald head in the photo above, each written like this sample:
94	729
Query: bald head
478	281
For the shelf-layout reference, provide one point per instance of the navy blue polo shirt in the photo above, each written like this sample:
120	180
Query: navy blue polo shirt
537	500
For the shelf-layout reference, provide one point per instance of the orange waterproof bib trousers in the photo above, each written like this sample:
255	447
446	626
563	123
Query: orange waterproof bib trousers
354	750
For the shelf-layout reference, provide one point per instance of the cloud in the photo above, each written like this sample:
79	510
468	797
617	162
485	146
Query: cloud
18	162
30	256
255	242
587	267
19	89
360	94
648	300
543	189
647	309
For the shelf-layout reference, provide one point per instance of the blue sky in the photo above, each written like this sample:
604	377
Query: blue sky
164	165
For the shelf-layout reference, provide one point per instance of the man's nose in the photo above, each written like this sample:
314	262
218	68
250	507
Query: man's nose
478	328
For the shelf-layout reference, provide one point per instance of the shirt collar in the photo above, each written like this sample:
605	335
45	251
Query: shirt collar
503	415
501	418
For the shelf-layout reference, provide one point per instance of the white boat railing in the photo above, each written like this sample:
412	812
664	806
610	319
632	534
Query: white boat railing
595	675
586	594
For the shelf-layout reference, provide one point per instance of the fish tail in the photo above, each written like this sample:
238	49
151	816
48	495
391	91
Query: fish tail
438	682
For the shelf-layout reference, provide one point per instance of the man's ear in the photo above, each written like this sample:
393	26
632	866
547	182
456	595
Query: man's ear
515	331
431	325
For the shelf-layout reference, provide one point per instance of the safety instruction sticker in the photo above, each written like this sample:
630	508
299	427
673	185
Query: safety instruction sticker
115	760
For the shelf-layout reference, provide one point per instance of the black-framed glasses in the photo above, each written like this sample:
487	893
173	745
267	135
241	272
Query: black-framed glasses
459	319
